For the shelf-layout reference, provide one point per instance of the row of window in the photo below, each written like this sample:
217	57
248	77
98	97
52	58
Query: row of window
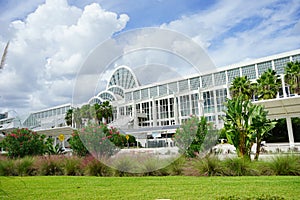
164	109
210	80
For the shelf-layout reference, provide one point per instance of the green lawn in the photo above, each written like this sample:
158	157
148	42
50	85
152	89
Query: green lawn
172	187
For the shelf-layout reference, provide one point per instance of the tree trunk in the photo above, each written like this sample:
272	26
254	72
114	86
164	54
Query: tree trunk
257	150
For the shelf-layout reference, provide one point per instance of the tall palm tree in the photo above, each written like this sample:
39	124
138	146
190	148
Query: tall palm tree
268	85
292	76
241	86
103	111
69	117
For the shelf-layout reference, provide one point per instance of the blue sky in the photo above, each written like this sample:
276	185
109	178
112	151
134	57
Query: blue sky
49	40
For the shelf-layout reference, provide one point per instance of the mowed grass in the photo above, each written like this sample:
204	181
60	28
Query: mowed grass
170	187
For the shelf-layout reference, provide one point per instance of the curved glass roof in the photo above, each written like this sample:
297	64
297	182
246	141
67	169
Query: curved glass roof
117	90
123	77
95	100
107	96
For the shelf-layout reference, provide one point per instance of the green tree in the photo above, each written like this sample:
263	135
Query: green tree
292	76
268	85
245	124
69	117
24	142
237	124
103	111
190	136
77	145
262	126
241	86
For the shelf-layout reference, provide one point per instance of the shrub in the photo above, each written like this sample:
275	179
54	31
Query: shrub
73	166
239	167
24	142
284	165
7	168
77	146
94	167
124	165
25	166
209	166
50	165
176	167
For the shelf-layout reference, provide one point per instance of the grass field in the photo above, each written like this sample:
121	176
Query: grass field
171	187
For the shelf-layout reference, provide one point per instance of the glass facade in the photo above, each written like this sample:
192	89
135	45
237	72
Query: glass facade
185	105
249	71
209	102
169	103
264	66
280	64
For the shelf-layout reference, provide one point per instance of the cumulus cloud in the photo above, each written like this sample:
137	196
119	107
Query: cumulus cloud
47	49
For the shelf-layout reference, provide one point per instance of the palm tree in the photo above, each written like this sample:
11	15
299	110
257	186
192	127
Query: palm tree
268	85
103	111
292	76
69	117
241	86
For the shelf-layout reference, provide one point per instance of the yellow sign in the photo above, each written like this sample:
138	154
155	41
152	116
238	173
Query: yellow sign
61	137
127	137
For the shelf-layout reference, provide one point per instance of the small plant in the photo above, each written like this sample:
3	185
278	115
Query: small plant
209	166
124	165
285	165
51	165
94	167
176	167
73	166
239	167
24	166
7	168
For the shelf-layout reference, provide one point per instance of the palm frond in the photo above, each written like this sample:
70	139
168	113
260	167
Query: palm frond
4	56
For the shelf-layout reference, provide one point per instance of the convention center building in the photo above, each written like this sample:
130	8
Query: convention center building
169	103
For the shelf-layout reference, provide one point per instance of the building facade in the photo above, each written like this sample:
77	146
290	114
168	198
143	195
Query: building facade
171	102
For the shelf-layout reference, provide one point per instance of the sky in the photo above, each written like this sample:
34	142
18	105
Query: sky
51	39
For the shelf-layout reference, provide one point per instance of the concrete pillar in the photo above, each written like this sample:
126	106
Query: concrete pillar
135	117
283	86
176	111
290	131
154	113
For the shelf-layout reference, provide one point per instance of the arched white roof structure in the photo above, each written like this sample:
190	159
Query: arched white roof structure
117	90
95	100
107	96
124	77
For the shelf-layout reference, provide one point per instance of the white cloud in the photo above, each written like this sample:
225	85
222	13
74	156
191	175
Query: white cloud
47	48
232	31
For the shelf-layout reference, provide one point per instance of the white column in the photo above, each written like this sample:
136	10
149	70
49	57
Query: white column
154	113
283	86
290	131
135	117
176	111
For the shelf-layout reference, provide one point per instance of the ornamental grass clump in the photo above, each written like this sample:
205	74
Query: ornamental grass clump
284	165
25	166
209	166
50	165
